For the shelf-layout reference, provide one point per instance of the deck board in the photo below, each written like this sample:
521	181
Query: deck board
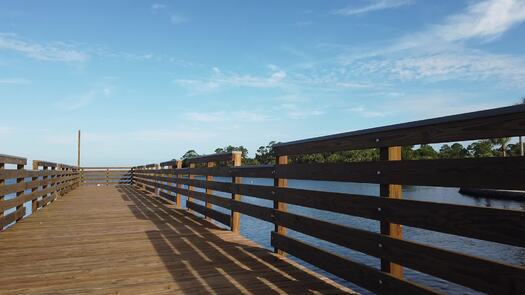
119	240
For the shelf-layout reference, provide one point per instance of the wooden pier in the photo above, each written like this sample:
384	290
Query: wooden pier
126	230
120	240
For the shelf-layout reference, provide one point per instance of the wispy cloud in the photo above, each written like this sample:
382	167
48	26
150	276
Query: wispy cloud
485	20
16	81
49	52
295	111
174	17
220	79
373	5
441	51
85	99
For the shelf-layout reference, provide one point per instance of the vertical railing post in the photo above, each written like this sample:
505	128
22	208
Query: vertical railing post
53	168
34	204
44	179
280	206
157	180
179	185
236	216
190	187
19	167
391	191
209	191
2	181
107	176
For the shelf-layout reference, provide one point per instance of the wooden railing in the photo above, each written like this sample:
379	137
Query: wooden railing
47	181
171	180
105	175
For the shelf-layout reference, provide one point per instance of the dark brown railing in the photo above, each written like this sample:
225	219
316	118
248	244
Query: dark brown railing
105	175
389	209
48	182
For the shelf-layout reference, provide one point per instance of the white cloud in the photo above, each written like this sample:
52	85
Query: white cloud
14	81
157	6
294	111
219	80
374	5
48	52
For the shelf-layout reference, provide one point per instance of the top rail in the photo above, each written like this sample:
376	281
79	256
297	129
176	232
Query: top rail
500	122
8	159
214	157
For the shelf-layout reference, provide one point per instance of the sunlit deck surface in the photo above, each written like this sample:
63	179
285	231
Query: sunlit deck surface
119	240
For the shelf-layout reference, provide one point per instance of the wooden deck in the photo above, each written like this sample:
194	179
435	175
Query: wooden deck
119	240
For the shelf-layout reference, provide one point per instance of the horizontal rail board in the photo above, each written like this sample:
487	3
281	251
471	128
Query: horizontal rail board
216	215
474	173
22	186
257	171
477	273
7	159
12	217
218	157
491	224
362	275
46	200
495	123
20	200
21	173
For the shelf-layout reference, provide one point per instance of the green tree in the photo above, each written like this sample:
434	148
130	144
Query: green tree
425	152
456	151
481	148
189	154
230	148
265	154
502	142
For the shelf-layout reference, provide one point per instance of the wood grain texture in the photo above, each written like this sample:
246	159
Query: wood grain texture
119	240
494	123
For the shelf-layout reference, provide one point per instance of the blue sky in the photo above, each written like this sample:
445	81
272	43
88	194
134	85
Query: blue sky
148	80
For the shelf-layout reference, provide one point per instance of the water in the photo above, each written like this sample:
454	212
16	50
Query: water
259	231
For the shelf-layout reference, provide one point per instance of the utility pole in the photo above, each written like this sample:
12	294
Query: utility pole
78	149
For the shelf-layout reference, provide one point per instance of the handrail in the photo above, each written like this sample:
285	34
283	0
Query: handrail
390	172
500	122
48	182
105	175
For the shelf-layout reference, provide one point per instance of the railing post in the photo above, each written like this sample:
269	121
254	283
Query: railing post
236	216
280	182
179	185
190	187
34	204
19	193
107	176
209	191
157	181
391	191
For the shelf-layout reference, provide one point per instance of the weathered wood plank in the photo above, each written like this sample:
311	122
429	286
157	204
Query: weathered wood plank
362	275
474	272
474	173
7	159
214	214
501	122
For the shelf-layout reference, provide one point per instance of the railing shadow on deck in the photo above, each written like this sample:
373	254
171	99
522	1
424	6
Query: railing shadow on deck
215	263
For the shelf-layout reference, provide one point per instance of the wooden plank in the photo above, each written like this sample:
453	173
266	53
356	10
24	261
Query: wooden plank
235	215
491	224
14	173
46	200
494	123
208	190
474	173
22	186
46	164
218	157
474	272
362	275
8	159
14	216
280	182
216	215
391	191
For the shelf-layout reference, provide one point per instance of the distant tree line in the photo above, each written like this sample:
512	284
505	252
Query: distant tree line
499	147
